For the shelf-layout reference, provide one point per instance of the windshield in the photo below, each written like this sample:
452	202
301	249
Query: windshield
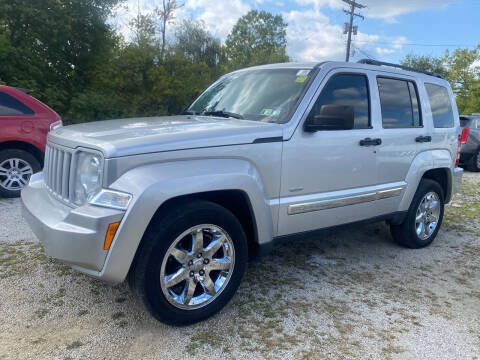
262	95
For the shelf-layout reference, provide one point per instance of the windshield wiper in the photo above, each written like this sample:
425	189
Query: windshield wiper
222	113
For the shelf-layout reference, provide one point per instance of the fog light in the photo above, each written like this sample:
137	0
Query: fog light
111	231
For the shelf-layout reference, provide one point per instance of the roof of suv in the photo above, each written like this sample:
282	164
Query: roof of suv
383	67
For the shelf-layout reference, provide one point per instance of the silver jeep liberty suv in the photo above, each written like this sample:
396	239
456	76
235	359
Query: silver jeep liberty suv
178	204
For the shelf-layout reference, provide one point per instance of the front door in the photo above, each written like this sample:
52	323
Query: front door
329	177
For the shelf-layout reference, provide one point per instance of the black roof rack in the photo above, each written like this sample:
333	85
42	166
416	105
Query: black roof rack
408	68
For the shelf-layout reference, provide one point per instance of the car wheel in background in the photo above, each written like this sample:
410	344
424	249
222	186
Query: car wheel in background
424	217
190	262
475	162
16	168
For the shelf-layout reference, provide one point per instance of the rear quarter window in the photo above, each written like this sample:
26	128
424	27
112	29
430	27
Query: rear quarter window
9	106
441	105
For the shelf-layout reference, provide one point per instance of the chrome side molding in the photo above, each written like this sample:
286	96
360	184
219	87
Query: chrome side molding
342	201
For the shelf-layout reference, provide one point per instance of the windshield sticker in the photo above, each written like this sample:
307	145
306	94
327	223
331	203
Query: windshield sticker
267	112
301	79
303	72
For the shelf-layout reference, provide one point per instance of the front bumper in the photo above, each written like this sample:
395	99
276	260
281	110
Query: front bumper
457	179
72	235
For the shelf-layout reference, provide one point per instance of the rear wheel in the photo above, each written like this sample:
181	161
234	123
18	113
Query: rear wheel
424	217
16	168
190	263
475	162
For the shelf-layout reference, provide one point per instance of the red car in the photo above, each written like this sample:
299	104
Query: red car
24	124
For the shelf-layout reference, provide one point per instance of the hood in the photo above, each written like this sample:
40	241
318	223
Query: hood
154	134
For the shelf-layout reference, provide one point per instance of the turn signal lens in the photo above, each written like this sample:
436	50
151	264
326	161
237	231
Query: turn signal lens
111	231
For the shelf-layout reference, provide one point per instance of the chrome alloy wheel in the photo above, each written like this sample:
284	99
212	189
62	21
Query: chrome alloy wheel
428	214
14	174
197	266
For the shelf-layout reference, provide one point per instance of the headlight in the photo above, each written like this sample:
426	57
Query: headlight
88	179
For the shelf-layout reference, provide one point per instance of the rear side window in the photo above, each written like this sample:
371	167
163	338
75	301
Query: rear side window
399	102
441	106
9	106
351	90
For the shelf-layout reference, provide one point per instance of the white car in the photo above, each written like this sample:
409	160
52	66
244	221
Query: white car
178	204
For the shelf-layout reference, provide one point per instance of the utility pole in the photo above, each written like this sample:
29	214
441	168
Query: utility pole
353	5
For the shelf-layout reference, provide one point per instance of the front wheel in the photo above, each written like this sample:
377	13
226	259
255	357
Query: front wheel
424	217
190	263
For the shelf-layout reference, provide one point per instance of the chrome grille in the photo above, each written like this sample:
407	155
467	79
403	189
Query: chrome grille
58	173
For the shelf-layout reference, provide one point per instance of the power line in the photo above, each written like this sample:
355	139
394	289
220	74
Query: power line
364	53
353	5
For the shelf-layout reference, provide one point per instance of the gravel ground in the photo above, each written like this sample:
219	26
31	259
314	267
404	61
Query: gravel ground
350	294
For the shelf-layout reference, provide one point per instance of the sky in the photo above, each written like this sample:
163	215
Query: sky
391	28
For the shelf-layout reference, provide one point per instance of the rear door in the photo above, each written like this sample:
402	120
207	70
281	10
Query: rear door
401	129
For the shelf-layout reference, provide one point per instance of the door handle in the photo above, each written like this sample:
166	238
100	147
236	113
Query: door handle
423	139
370	142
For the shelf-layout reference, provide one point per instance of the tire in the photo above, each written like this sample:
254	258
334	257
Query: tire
16	168
154	261
406	233
474	164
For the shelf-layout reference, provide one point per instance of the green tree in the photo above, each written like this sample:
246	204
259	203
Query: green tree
197	44
257	38
51	46
463	74
426	62
461	68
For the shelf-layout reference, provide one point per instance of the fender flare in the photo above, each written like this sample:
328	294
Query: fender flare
423	162
152	185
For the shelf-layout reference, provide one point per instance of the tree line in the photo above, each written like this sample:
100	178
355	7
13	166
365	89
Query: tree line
74	60
462	70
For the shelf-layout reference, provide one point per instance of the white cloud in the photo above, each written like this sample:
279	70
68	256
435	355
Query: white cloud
219	15
389	9
384	9
384	51
311	37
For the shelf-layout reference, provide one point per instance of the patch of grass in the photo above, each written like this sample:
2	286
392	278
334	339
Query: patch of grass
192	348
122	323
41	313
208	338
475	294
74	345
118	315
38	341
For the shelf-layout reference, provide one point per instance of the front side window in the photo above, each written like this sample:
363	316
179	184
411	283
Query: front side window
441	106
349	90
9	106
263	95
399	103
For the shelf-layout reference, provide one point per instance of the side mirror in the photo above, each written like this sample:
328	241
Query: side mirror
331	117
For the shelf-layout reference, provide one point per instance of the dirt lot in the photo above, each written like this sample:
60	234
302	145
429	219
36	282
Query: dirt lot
352	294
